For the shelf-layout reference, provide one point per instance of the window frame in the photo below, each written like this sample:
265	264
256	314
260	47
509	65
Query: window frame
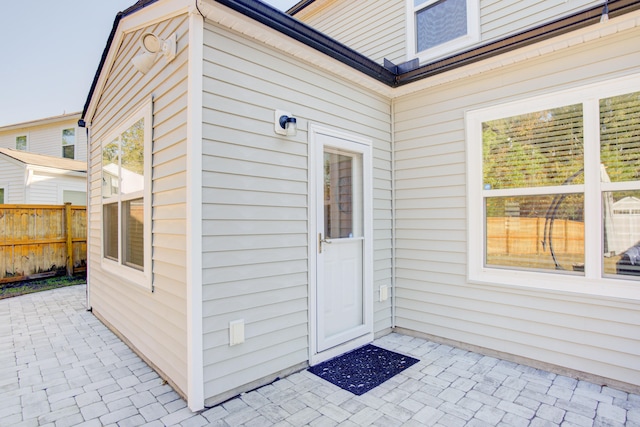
63	145
15	139
449	47
594	281
119	268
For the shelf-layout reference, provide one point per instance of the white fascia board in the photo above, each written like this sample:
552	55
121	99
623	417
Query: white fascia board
239	23
56	171
149	15
42	122
555	44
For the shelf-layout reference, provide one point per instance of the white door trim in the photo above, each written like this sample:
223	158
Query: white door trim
315	150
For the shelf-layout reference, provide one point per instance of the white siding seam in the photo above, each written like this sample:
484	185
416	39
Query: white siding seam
195	356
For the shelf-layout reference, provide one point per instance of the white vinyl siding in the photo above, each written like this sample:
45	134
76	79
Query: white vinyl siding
578	331
46	188
255	204
376	30
153	322
12	179
499	18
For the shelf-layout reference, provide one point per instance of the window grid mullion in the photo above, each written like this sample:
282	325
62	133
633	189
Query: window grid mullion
593	234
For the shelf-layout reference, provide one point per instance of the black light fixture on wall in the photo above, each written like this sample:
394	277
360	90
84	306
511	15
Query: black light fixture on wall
285	123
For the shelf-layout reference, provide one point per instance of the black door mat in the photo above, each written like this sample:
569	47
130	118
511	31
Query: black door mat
362	369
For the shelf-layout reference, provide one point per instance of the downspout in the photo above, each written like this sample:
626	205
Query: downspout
82	123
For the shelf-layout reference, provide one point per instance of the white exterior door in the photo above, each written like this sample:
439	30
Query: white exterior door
343	247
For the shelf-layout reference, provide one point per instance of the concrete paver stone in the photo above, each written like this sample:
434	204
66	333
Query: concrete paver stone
59	367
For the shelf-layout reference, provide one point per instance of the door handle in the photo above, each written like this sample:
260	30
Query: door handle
321	241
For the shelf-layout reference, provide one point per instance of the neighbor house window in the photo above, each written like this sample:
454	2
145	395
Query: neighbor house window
1	196
554	189
438	28
21	142
68	143
126	198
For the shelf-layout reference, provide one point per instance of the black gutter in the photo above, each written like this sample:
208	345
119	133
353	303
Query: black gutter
543	32
305	34
309	36
299	6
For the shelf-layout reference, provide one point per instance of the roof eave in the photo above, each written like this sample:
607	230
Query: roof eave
307	35
105	53
299	6
540	33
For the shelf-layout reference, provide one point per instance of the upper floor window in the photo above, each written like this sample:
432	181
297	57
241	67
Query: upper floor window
559	197
68	143
438	28
126	200
21	142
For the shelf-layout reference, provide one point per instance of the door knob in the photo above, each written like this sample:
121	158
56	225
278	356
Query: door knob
321	241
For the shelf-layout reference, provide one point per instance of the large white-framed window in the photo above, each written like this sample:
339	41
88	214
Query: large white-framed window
126	199
553	191
438	28
22	143
69	143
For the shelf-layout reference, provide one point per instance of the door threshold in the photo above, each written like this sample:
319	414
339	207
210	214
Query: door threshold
330	353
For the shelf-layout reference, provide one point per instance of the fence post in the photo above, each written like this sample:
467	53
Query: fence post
69	233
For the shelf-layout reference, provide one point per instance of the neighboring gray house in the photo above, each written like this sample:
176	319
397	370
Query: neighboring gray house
456	197
28	178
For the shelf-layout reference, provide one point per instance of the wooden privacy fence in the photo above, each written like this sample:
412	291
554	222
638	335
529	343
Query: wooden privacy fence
512	235
39	241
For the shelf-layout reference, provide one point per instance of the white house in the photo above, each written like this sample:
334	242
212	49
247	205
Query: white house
44	161
28	178
58	136
452	191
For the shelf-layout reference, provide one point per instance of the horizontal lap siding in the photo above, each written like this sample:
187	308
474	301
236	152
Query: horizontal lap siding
584	333
377	28
255	195
155	323
500	18
48	189
12	178
376	31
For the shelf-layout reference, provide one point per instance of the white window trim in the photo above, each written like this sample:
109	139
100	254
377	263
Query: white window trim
75	142
26	134
117	268
593	282
444	49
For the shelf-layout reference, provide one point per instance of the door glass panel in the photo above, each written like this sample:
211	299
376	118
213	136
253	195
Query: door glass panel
342	195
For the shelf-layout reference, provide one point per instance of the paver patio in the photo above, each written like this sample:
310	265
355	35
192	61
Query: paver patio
59	366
